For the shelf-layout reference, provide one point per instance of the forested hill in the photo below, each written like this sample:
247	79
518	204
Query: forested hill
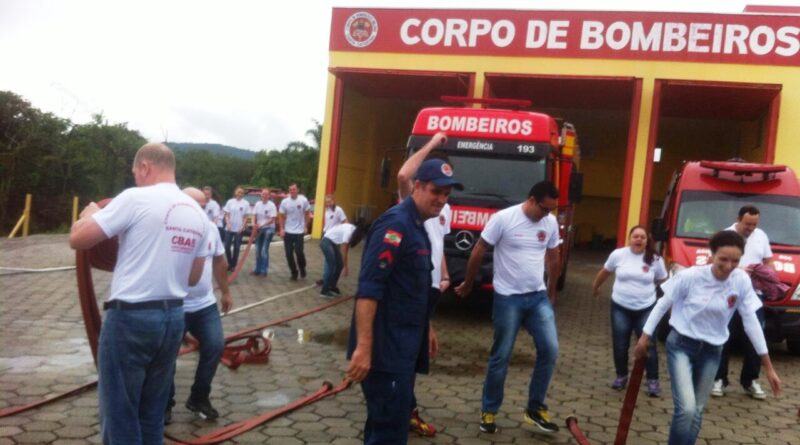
216	149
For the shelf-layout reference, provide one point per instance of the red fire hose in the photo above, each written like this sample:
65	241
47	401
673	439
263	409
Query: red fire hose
626	415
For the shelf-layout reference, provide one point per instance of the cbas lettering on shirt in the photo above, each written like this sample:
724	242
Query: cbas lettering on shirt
437	227
756	248
214	213
237	209
519	248
333	217
702	306
295	211
263	212
634	281
340	234
202	295
161	231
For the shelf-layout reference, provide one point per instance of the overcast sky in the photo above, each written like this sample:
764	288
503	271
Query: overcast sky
251	74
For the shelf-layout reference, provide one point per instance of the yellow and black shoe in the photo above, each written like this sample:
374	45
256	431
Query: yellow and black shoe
420	426
540	418
487	423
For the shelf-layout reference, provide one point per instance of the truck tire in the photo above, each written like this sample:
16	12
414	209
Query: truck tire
793	346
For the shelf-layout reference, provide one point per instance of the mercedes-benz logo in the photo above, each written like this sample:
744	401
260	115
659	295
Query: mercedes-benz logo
464	240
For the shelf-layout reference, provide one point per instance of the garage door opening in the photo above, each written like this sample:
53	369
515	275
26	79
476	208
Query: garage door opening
374	112
715	121
605	113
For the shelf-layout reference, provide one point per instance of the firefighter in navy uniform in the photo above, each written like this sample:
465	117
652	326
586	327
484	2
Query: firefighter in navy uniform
389	335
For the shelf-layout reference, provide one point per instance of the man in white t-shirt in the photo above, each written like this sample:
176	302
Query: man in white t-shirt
525	239
265	214
756	251
202	321
294	215
214	211
334	215
236	211
162	234
335	246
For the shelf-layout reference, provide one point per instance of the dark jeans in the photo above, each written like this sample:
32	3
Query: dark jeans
293	245
388	398
234	238
624	322
434	296
262	250
333	264
751	364
206	326
221	234
136	362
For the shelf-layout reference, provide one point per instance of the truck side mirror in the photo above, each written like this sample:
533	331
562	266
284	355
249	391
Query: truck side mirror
575	187
386	171
658	230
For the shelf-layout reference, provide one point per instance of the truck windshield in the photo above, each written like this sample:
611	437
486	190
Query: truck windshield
703	213
503	179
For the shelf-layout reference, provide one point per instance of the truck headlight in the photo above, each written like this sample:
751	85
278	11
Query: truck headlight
674	268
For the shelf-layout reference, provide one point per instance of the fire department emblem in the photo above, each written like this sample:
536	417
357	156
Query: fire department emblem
361	29
645	268
447	170
541	235
441	220
731	301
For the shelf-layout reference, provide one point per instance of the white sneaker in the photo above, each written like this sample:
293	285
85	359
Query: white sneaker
756	392
718	390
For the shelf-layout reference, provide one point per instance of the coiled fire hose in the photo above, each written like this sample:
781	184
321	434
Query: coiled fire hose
626	415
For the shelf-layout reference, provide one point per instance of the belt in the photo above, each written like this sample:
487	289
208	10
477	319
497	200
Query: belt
153	304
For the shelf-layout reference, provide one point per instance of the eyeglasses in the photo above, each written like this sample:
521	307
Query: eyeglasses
543	208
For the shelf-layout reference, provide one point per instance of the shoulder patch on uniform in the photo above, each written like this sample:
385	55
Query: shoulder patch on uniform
392	237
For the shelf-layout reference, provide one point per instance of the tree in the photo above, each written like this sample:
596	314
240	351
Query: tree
298	162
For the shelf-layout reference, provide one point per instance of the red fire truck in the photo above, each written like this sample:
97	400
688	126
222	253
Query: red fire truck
706	196
498	154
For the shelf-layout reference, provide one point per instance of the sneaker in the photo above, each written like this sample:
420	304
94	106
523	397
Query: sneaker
319	282
755	391
294	277
540	418
336	291
327	294
487	423
202	409
619	383
420	426
719	389
302	273
653	388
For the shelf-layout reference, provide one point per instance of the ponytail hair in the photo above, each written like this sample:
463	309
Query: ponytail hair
649	247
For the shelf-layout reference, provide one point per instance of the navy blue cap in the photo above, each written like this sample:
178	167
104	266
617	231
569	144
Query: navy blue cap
439	172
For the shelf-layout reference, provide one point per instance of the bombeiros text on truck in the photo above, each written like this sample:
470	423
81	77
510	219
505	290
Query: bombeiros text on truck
498	153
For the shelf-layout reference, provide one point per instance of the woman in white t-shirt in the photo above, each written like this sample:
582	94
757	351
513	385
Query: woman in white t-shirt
703	300
638	269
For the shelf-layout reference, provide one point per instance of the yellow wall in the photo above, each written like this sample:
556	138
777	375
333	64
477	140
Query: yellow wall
648	71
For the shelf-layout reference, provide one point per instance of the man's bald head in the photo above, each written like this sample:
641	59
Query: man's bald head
158	155
196	194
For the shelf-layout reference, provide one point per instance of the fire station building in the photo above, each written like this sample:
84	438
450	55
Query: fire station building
644	90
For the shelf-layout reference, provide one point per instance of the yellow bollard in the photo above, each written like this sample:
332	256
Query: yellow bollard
27	215
74	209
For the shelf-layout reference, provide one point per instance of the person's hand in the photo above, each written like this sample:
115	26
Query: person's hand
90	209
444	285
280	233
463	289
640	350
439	139
227	302
551	295
433	343
305	231
359	365
596	292
774	382
345	271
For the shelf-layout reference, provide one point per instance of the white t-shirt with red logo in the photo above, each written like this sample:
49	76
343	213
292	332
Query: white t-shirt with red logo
333	217
295	211
214	213
437	227
519	248
202	295
264	212
634	281
237	209
756	248
161	231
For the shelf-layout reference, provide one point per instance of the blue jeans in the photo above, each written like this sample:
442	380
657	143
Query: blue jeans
234	238
334	264
293	246
206	326
692	365
136	361
751	361
533	312
624	322
388	398
262	250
